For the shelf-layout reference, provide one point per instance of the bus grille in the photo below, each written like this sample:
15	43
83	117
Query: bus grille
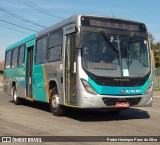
113	101
119	84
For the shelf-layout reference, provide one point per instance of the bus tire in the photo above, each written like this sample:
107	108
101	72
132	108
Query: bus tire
56	109
16	100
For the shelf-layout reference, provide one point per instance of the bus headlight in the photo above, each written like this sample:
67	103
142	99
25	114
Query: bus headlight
149	89
88	88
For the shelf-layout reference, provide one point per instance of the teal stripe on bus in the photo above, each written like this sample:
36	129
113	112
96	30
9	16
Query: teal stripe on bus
111	90
38	87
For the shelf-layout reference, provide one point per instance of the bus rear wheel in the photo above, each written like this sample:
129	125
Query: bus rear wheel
16	100
56	109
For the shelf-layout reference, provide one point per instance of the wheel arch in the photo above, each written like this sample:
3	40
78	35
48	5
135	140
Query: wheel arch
52	84
13	84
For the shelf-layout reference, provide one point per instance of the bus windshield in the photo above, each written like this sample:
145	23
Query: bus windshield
110	55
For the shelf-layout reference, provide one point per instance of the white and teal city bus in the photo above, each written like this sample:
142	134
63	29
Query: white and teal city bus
82	62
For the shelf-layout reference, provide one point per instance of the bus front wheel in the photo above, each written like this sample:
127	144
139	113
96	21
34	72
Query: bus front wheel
56	109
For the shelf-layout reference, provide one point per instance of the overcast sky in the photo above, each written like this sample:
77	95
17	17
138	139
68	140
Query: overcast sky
146	11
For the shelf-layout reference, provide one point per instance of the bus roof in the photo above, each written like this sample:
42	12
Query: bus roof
71	20
75	19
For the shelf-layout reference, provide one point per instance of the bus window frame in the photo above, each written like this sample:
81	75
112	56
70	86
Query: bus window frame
9	60
35	56
59	45
19	55
12	58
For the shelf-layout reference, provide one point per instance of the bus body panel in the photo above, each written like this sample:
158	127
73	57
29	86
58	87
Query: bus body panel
17	76
43	75
38	86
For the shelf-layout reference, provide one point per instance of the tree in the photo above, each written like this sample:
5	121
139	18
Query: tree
156	49
151	37
158	45
157	58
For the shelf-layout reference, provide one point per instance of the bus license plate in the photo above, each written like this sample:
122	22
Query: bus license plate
122	104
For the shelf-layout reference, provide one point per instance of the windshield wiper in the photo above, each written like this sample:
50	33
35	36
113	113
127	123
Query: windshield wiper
117	49
128	53
107	40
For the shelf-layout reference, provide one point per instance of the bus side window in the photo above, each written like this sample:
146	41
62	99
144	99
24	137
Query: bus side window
14	57
41	50
8	60
55	46
21	56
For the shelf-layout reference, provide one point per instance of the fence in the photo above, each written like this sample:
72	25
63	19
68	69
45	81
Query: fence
157	79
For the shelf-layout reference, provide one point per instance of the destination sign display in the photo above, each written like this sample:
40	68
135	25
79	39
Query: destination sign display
113	23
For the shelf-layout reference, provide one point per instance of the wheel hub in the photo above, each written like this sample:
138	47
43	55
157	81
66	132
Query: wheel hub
15	95
55	101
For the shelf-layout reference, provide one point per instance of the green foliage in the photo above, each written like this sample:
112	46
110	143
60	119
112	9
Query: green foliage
156	48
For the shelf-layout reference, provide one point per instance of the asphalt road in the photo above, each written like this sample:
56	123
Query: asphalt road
35	119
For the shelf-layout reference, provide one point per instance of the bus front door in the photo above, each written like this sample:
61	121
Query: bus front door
29	68
70	76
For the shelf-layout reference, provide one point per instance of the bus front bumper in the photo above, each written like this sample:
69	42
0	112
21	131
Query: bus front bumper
86	100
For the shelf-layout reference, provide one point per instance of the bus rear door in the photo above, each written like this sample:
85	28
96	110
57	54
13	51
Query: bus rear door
29	67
